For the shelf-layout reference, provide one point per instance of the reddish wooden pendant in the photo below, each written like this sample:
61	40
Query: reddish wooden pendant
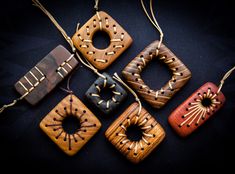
198	108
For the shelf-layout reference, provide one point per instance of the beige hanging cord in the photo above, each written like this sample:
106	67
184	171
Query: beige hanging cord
68	39
153	20
224	78
116	77
13	103
96	6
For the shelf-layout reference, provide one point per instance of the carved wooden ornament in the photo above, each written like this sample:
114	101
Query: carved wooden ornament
152	133
120	40
196	110
45	76
106	106
156	98
70	106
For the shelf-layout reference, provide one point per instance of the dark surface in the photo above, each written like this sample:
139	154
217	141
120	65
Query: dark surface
109	82
201	34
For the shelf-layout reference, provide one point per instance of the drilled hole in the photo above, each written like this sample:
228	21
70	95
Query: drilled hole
160	70
134	133
106	94
71	124
101	40
206	102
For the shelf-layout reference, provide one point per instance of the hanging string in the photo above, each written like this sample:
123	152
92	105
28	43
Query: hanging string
68	89
153	21
68	39
224	78
96	6
116	77
13	103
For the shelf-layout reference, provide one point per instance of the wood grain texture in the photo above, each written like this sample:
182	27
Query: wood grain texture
156	98
45	76
194	111
152	133
120	40
52	125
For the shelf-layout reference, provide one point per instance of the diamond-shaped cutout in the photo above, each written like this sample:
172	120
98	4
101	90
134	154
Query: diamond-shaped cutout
120	40
106	106
156	98
152	133
196	110
70	106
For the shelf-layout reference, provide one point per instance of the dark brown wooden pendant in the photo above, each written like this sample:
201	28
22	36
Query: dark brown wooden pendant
44	77
152	133
196	110
120	40
156	98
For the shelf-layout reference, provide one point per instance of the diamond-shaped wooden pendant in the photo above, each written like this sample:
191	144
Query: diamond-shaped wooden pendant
196	110
70	106
106	106
120	40
152	133
156	98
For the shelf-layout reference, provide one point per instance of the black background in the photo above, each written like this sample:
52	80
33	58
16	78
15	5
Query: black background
200	33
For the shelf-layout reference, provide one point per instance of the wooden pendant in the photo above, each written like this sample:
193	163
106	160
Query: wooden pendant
156	98
196	110
44	77
120	40
70	106
152	133
106	106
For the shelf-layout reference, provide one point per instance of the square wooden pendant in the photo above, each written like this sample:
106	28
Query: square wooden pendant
70	107
156	98
106	106
45	76
120	40
152	133
196	110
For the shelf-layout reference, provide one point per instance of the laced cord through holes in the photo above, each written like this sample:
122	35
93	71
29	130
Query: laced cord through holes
136	145
67	38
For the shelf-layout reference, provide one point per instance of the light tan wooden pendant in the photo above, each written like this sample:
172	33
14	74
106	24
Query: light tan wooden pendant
70	106
120	40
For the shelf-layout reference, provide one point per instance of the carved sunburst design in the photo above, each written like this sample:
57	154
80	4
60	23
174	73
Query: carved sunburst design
52	125
204	105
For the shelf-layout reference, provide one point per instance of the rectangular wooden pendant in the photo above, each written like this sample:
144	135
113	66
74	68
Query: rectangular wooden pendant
152	133
196	110
44	77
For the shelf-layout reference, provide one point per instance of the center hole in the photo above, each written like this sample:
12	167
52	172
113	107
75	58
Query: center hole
106	94
206	102
134	133
101	40
71	124
156	68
